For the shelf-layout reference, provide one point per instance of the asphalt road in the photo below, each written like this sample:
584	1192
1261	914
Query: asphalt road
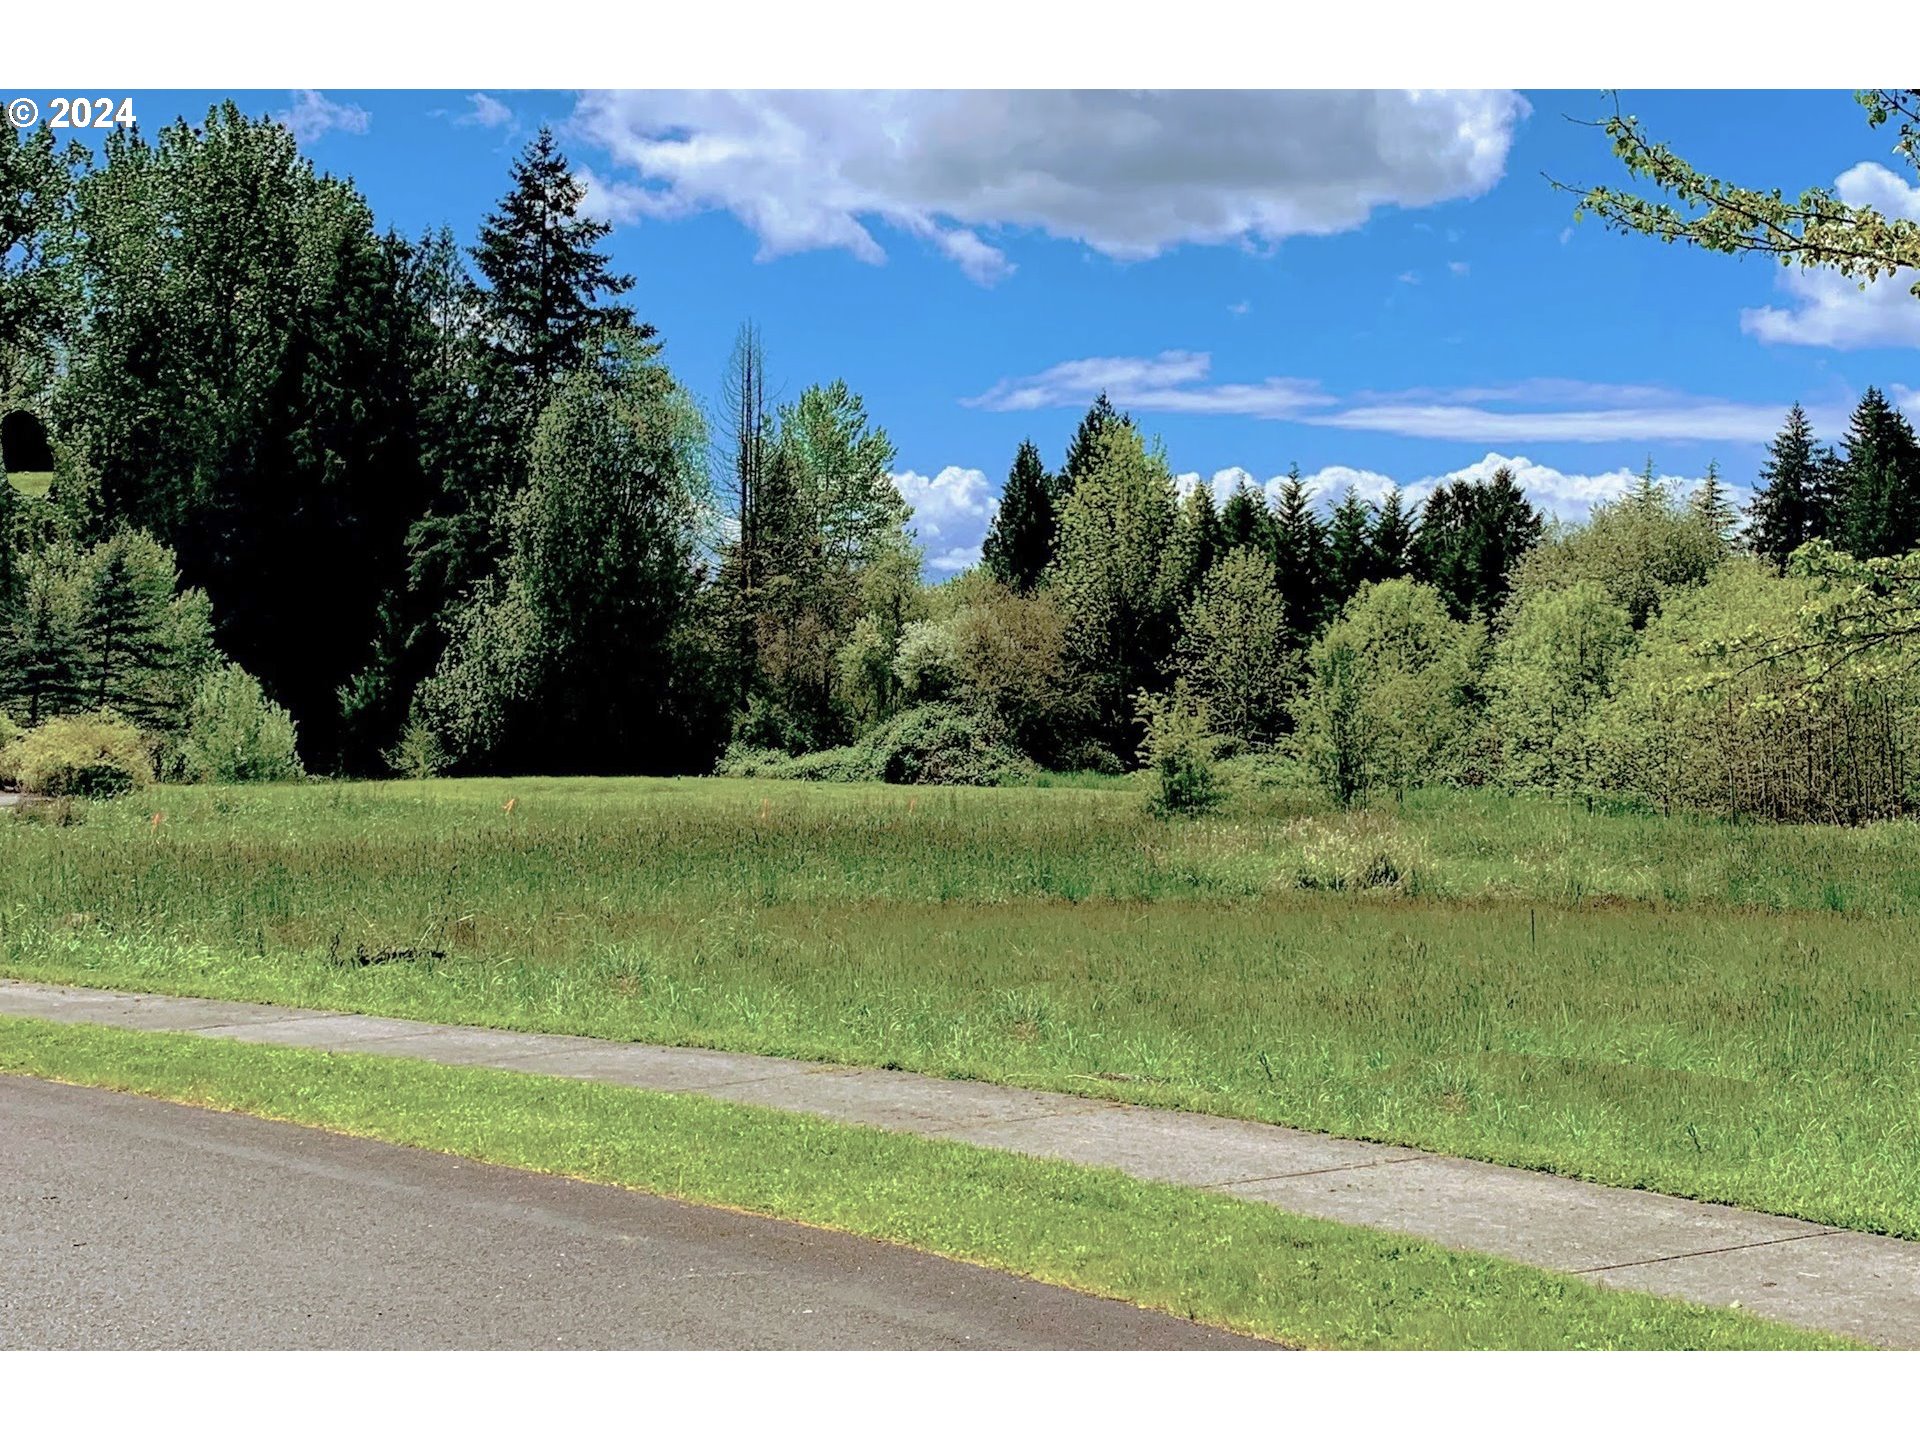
128	1223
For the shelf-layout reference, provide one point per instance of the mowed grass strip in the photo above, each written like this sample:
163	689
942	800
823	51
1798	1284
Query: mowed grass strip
1726	1012
1221	1261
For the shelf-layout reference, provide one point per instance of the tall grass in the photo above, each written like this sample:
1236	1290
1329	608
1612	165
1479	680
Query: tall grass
1708	1009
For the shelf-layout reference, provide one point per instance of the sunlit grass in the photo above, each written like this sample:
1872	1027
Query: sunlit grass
1219	1260
31	482
1713	1010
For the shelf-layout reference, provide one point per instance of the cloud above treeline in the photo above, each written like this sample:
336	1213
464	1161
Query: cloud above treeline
1128	174
953	509
313	115
1563	495
1534	411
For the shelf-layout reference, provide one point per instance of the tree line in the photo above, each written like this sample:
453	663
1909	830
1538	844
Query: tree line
444	508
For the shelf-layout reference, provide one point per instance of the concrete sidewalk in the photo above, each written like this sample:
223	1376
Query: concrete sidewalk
1867	1286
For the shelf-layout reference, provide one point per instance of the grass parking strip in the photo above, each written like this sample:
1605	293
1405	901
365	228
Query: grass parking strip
1211	1258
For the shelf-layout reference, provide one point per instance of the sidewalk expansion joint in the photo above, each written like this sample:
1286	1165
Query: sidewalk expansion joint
1323	1170
1717	1250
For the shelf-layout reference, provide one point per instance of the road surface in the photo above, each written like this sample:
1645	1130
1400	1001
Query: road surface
128	1223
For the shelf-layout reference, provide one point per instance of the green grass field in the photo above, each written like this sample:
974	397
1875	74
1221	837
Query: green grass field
32	482
1213	1258
1725	1012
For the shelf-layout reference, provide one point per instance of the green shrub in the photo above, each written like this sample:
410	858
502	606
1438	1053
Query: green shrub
844	764
927	661
9	732
769	724
941	745
1388	701
1180	752
94	756
927	745
235	735
752	762
418	755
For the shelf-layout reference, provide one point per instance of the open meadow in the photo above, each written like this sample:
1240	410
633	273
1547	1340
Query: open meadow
1714	1010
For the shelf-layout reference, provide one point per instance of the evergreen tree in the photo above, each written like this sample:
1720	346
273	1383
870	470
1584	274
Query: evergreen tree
1472	535
37	650
1245	521
1392	538
1786	510
1647	492
1020	542
544	274
1196	543
1299	560
1879	512
1710	505
1504	528
141	646
1349	548
1084	448
119	625
1829	488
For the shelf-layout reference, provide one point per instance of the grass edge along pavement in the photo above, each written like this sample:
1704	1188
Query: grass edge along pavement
1064	940
1215	1259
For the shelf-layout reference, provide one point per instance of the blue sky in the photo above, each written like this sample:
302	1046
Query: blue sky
1375	285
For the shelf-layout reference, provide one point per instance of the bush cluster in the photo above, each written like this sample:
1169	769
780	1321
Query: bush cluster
940	744
93	757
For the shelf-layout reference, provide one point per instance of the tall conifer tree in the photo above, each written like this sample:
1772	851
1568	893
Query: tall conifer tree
1392	538
1349	548
1879	511
1785	511
1245	521
1299	559
1085	445
1020	542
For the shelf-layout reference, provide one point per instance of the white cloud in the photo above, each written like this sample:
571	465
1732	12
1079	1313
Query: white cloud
1240	307
1690	419
1541	410
1407	277
615	201
1458	267
979	261
485	111
1222	483
952	510
1170	381
1129	174
313	115
1566	496
1837	313
1570	497
1827	309
1327	485
951	513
